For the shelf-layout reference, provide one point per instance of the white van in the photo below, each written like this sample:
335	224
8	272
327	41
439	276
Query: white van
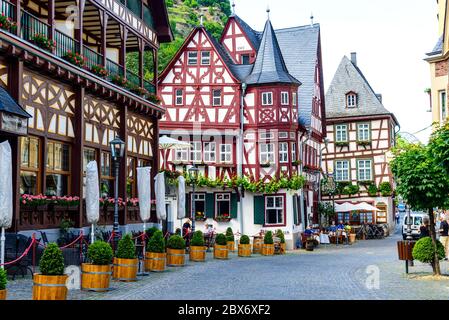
416	222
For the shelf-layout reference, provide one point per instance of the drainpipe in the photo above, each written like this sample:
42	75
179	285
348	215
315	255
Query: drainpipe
301	170
240	160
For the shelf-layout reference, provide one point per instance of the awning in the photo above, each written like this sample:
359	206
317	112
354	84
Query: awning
347	207
8	104
13	118
166	143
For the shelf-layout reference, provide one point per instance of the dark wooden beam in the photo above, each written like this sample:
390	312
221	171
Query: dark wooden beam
77	152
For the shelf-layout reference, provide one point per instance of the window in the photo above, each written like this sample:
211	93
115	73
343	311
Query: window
364	170
29	165
274	210
222	204
89	155
205	58
106	176
192	58
245	58
342	170
283	135
131	188
179	99
226	153
195	151
363	132
266	153
294	151
341	133
267	98
283	152
209	152
216	97
351	100
58	169
442	101
266	135
200	203
284	98
295	98
181	155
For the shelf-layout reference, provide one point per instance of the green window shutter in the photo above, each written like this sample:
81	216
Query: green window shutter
259	210
234	205
295	209
188	207
210	205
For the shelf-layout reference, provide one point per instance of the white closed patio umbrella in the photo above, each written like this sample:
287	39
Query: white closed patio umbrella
159	186
6	203
92	197
144	193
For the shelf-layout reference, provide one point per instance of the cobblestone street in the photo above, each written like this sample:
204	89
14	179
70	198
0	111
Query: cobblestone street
329	272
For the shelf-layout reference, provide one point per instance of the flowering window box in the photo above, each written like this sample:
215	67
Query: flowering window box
342	143
364	143
265	165
42	41
200	216
75	58
223	218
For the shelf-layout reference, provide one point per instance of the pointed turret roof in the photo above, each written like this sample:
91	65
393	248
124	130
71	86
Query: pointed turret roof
270	65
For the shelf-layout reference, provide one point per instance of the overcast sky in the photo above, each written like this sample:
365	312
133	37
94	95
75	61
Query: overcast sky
390	37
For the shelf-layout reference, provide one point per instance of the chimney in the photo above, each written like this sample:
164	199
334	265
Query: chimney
354	58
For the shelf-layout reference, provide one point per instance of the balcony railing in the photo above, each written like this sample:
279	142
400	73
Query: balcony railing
149	86
31	26
114	68
133	78
64	44
93	57
7	8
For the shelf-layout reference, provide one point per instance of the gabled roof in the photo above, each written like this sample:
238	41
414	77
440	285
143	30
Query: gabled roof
253	36
161	21
269	66
349	78
8	104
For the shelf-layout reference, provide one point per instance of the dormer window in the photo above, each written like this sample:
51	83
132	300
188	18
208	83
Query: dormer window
351	100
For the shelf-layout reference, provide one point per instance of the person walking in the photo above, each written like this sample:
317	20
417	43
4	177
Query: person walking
424	229
444	238
397	217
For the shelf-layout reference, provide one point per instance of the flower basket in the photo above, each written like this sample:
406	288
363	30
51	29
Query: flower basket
75	58
154	98
342	144
364	143
6	23
223	218
42	41
99	70
200	216
119	80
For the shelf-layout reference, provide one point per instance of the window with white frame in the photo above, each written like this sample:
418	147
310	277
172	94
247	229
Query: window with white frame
351	100
266	153
179	99
195	151
363	132
294	151
266	135
274	210
222	204
226	153
364	170
267	98
341	133
200	203
284	98
209	151
205	58
342	170
283	152
442	102
216	97
283	135
192	58
295	98
181	155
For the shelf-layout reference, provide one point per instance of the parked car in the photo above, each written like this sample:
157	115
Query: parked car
416	221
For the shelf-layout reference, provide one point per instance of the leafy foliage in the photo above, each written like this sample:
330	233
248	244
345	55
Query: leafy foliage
351	189
280	235
424	250
126	248
100	253
52	261
151	231
372	190
385	189
268	238
326	210
229	234
3	279
197	239
176	242
156	244
244	239
221	239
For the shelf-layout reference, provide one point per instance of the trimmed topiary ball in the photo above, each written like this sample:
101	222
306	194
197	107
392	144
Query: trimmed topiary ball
52	261
268	239
3	279
197	239
176	242
221	239
100	253
280	235
126	248
229	234
244	239
156	243
423	250
151	231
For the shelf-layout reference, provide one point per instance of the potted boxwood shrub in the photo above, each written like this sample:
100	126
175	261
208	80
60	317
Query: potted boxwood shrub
155	255
280	235
96	275
50	283
268	245
230	239
125	262
244	247
221	247
424	251
3	282
197	248
176	250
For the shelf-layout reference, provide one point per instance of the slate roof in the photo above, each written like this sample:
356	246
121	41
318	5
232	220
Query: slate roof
349	77
254	36
8	104
270	66
438	47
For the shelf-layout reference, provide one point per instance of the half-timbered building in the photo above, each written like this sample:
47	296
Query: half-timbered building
361	132
212	89
64	63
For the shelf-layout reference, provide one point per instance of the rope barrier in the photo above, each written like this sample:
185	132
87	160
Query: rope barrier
22	256
74	241
111	237
143	235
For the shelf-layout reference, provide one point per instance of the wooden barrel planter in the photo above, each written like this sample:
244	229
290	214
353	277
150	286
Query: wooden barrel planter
352	237
95	277
175	257
283	248
231	246
155	262
244	250
49	287
125	269
268	249
257	245
220	252
197	253
3	294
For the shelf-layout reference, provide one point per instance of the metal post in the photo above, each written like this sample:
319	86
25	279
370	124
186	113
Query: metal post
116	167
193	206
2	240
409	237
241	148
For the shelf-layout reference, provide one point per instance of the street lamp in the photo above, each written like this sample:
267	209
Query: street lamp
193	170
117	152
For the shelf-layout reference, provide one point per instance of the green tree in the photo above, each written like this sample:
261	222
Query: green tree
422	183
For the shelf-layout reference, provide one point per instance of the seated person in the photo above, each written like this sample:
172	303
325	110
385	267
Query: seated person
332	229
310	233
340	226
